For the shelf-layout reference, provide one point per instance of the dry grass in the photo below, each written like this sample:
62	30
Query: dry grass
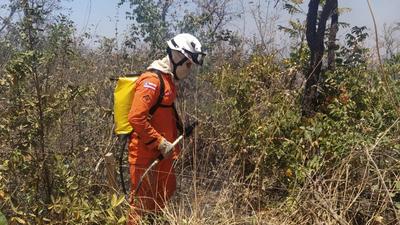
360	190
357	191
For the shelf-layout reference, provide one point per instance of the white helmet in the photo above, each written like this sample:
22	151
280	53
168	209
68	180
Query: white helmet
189	46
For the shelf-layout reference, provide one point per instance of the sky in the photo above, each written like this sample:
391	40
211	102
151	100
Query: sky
102	17
386	11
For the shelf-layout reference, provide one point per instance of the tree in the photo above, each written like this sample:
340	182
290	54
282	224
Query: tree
150	22
391	44
315	34
34	99
6	20
207	21
156	21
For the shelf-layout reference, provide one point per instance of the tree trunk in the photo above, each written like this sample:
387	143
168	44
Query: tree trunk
315	41
308	104
332	37
44	186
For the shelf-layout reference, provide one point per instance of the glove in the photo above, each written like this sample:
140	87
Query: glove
165	148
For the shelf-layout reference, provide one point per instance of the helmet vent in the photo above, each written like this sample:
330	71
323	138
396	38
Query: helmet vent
174	43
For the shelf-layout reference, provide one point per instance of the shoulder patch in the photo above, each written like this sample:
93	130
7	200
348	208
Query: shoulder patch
150	85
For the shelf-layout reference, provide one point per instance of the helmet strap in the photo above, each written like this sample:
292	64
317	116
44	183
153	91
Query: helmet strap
175	65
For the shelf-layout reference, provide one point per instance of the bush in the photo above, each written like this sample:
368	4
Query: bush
259	124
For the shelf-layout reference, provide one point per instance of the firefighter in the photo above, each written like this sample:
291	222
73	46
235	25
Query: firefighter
154	132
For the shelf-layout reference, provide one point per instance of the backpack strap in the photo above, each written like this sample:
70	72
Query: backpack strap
179	124
162	90
159	100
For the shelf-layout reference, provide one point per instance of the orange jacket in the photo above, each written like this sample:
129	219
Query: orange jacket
147	133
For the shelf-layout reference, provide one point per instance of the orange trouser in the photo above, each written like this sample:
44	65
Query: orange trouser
157	187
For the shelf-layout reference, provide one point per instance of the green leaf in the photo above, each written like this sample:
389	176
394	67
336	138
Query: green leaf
19	220
3	219
292	9
122	220
397	185
115	201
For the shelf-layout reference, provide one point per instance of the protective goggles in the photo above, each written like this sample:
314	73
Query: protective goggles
197	58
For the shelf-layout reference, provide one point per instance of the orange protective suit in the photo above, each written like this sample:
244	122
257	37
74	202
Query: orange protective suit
160	183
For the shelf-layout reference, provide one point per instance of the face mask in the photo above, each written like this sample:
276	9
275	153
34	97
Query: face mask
184	70
180	65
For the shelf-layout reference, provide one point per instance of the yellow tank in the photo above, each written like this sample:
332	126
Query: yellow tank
123	96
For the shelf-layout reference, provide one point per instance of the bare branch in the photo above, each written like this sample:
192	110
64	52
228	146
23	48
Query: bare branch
6	20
